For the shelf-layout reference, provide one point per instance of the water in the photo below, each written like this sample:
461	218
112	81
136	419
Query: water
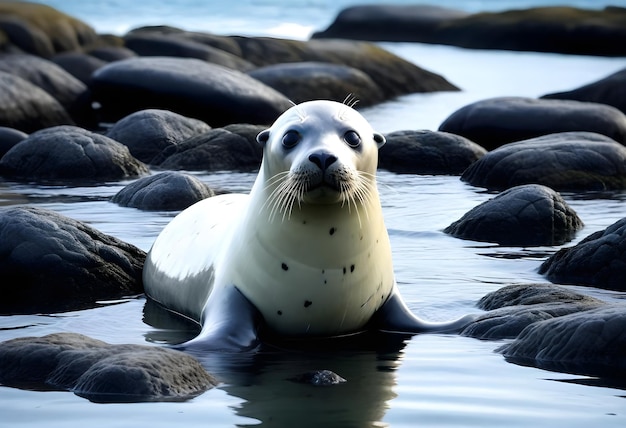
434	380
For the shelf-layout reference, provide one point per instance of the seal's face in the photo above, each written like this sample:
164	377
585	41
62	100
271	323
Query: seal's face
319	152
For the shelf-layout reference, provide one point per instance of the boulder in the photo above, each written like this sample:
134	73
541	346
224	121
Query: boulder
10	137
69	153
569	161
188	86
147	133
307	81
27	107
78	64
427	152
497	121
599	260
167	191
51	263
101	372
528	215
611	91
231	148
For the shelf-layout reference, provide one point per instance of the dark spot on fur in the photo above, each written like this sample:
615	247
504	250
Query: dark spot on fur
344	270
351	268
285	267
303	221
279	312
332	230
325	282
307	303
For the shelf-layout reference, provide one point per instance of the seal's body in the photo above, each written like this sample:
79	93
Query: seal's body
305	254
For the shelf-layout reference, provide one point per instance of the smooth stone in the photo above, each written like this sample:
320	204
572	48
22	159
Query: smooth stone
9	137
79	65
319	378
427	152
568	161
527	215
166	191
51	263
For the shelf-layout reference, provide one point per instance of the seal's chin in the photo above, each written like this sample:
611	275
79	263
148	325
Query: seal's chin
322	194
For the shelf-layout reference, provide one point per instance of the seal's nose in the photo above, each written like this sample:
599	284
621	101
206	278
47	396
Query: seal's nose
322	159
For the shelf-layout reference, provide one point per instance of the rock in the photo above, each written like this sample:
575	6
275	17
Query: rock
69	153
307	81
167	191
101	372
222	149
497	121
27	107
51	263
111	53
9	137
70	92
147	133
564	161
543	29
599	260
44	30
528	215
319	378
191	87
514	307
427	152
151	44
79	65
611	91
591	343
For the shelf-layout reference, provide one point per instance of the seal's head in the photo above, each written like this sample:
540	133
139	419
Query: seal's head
319	152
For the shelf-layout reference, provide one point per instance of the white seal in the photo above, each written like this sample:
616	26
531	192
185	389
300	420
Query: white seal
305	254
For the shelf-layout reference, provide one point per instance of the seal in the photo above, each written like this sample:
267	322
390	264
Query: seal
306	254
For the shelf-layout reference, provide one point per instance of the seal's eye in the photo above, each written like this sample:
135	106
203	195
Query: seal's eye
352	139
290	139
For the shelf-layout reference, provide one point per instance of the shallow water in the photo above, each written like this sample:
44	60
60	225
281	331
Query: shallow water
434	380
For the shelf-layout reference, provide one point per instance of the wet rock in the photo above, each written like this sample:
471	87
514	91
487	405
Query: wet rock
79	65
231	148
223	43
514	307
27	107
528	215
70	92
147	133
9	137
69	153
319	378
307	81
497	121
51	263
599	260
188	86
111	53
427	152
590	343
564	161
42	30
611	91
167	191
101	372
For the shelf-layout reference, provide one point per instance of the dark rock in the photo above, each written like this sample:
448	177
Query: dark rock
528	215
151	44
222	149
51	263
101	372
564	161
598	260
147	133
497	121
10	137
166	191
611	91
427	152
27	107
69	153
111	53
44	27
307	81
191	87
79	65
70	92
589	343
319	378
23	37
514	307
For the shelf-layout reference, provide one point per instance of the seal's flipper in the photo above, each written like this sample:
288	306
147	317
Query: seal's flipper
395	317
230	326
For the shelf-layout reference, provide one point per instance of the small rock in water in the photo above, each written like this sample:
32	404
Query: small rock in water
319	378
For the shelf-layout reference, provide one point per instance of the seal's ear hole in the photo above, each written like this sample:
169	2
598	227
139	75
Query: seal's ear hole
379	139
263	137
